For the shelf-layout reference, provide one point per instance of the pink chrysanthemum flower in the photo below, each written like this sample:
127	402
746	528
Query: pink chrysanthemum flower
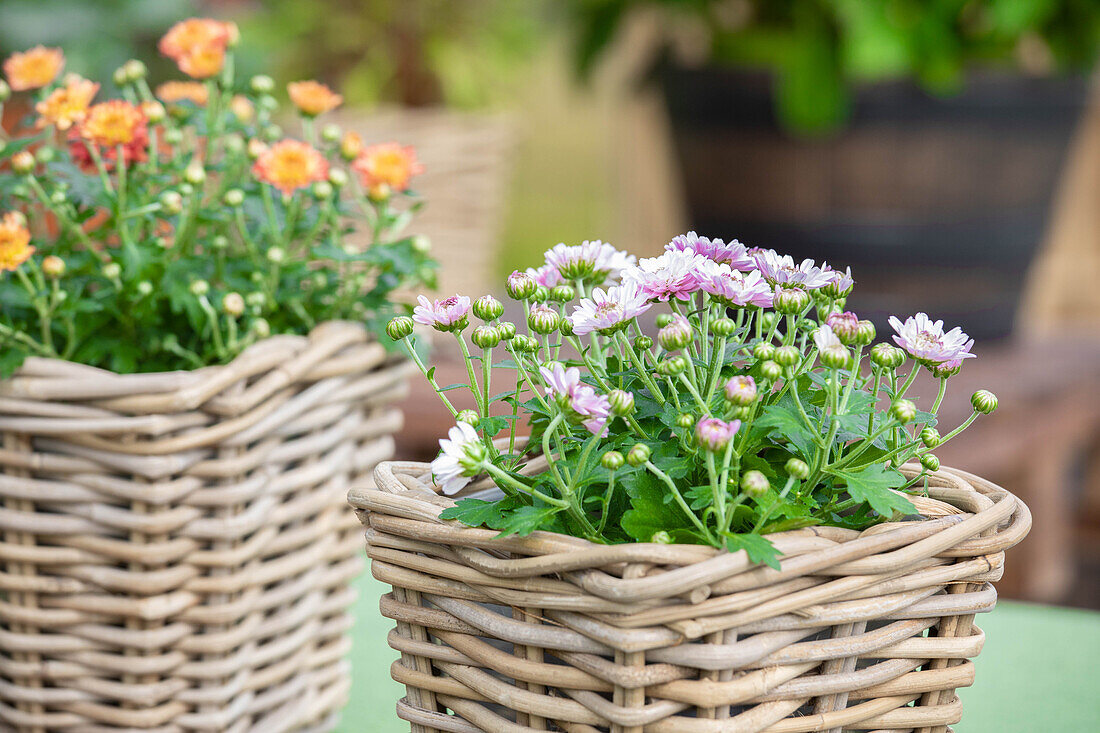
925	340
729	286
840	283
672	276
715	434
595	261
734	254
449	314
845	325
781	270
459	458
545	276
564	385
607	311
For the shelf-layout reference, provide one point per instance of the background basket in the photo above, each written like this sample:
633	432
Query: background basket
176	548
859	630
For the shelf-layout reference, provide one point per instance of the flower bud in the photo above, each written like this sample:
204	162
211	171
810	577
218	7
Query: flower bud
525	344
613	460
806	325
543	319
835	356
787	356
621	401
154	111
566	327
887	356
219	242
112	270
233	304
768	319
119	77
469	417
350	146
322	190
663	319
741	390
194	173
763	351
930	437
331	133
714	434
929	462
903	411
144	288
488	308
59	197
741	412
542	293
485	336
798	469
399	327
562	293
723	327
22	162
638	455
262	84
135	70
672	366
984	401
661	537
771	370
676	334
865	336
845	325
200	288
755	484
53	266
507	330
173	136
186	189
421	244
234	197
45	155
171	202
338	177
643	343
261	328
520	285
946	369
5	91
276	255
256	148
685	420
272	133
790	301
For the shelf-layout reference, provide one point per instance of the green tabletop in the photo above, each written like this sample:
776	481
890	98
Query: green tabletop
1038	671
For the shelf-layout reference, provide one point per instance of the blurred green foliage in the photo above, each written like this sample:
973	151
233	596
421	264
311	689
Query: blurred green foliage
818	48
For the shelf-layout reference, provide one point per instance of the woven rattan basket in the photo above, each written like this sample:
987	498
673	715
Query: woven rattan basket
864	630
177	548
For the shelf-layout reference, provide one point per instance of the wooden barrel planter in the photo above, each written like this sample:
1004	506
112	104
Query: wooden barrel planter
867	630
176	548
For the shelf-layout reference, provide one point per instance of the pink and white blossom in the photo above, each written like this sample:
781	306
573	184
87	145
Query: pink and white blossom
459	459
734	254
825	338
782	270
672	276
732	287
925	340
845	325
593	261
591	409
546	276
840	283
606	311
715	434
448	314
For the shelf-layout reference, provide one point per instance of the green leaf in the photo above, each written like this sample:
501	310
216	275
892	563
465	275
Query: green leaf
786	422
649	511
759	549
474	512
526	519
873	485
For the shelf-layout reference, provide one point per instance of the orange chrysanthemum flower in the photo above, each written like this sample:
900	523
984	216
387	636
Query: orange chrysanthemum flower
67	105
203	63
180	91
197	45
387	165
289	165
312	97
113	123
33	69
15	241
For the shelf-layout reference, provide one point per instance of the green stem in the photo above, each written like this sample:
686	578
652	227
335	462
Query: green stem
680	501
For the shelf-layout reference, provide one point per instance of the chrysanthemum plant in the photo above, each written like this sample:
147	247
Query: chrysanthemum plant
169	229
758	405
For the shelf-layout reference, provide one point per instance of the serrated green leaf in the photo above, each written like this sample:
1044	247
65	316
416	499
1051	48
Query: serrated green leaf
873	485
759	549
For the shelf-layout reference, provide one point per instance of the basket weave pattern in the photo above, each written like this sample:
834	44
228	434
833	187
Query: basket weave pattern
867	630
176	548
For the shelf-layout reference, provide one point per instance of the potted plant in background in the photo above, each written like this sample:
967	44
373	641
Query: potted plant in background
919	143
189	389
739	523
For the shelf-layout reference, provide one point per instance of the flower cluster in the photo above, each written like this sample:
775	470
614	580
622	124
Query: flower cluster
169	229
759	405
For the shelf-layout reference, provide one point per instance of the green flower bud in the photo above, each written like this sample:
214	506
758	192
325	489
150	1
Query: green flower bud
930	437
798	469
173	136
643	343
219	242
171	202
261	328
638	455
112	270
234	144
903	411
485	336
723	327
233	304
5	91
672	366
520	285
144	288
663	319
543	319
338	177
256	299
272	133
929	462
808	325
276	255
675	335
562	293
134	70
622	402
948	369
488	308
119	77
322	190
566	327
331	133
865	336
507	330
768	319
200	288
685	420
887	356
398	328
984	401
541	294
469	417
763	351
45	155
790	301
613	460
194	173
186	189
53	266
262	84
59	198
755	484
741	412
525	344
23	162
661	537
787	356
835	357
771	370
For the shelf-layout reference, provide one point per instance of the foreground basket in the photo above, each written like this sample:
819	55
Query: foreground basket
859	630
176	548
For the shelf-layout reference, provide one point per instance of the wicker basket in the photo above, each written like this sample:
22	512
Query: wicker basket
859	630
177	548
